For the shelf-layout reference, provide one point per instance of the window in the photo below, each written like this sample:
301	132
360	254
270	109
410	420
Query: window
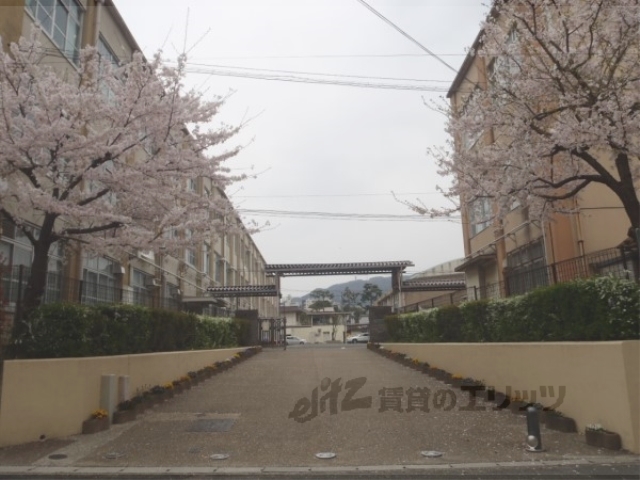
480	214
139	283
220	268
171	296
106	57
206	255
526	268
61	21
98	281
507	64
191	184
470	138
190	256
189	253
106	54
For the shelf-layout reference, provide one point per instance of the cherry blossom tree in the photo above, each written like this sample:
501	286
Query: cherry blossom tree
559	112
101	156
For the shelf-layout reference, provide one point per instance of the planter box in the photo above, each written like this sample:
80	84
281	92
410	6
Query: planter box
95	425
560	423
603	439
124	416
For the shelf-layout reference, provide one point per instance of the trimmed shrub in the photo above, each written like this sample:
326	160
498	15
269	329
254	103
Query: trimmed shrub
121	329
58	330
602	308
71	330
449	323
476	325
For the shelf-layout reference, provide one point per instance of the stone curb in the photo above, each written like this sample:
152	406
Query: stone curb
194	472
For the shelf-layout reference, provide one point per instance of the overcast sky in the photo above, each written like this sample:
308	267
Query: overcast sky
326	148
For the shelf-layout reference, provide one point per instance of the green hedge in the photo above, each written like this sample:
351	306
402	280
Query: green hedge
69	330
603	308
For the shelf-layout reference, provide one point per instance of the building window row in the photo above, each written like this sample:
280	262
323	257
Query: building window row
480	214
61	20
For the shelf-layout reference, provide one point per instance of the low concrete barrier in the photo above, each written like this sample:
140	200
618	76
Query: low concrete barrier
52	397
600	380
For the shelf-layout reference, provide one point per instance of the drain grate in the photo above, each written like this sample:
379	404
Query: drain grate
211	425
57	456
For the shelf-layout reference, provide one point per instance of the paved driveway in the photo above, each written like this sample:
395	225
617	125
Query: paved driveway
250	414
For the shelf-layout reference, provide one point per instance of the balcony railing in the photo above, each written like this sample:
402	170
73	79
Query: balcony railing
58	288
619	262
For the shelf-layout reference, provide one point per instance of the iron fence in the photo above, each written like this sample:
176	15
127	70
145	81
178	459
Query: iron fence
619	262
60	288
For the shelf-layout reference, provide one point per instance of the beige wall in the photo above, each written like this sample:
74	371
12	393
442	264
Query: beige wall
53	397
601	226
11	18
601	379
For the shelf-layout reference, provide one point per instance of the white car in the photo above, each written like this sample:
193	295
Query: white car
291	340
359	338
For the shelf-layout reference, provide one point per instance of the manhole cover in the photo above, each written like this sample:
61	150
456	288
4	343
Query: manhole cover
325	455
57	456
112	455
431	454
219	456
211	425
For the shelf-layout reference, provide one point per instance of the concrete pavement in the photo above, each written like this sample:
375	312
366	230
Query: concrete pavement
367	410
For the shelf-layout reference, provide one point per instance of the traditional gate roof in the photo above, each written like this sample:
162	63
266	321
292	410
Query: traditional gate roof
302	269
434	285
245	291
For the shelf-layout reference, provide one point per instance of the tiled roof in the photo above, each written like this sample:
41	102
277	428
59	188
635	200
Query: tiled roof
434	286
336	268
246	291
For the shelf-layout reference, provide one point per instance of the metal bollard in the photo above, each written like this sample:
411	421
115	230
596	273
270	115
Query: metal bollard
534	438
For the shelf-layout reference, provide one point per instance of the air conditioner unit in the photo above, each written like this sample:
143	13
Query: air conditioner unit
117	269
151	282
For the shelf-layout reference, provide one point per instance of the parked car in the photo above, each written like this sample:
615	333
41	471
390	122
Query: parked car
291	340
359	338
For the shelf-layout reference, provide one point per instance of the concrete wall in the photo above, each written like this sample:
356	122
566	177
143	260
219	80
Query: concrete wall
53	397
601	380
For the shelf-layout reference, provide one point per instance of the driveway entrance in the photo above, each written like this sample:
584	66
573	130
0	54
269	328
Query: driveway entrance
281	408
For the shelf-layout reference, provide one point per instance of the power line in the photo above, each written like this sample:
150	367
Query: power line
363	55
385	19
376	217
320	74
290	76
320	81
335	195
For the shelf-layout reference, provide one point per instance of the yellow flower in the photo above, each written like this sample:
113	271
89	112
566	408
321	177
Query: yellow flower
100	413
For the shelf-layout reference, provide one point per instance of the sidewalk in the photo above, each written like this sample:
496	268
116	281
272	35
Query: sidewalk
245	413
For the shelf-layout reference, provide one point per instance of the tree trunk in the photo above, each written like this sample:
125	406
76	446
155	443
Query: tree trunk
36	284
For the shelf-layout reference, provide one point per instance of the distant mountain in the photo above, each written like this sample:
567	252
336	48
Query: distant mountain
383	283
